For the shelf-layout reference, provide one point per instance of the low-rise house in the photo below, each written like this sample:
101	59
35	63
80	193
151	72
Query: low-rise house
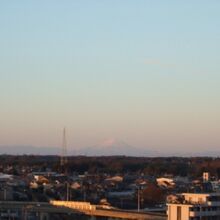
165	182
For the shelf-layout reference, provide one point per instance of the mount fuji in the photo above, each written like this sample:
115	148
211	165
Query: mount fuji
115	147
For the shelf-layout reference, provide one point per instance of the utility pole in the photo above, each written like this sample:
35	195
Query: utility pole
67	191
138	195
5	194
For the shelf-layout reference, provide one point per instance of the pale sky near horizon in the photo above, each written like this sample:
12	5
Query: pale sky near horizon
145	72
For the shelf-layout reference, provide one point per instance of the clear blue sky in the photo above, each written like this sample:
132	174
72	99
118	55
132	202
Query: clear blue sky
146	72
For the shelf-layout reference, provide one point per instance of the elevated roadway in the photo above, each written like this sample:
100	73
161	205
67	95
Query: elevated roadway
79	208
105	211
43	207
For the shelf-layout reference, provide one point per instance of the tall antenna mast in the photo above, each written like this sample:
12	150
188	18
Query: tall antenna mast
63	159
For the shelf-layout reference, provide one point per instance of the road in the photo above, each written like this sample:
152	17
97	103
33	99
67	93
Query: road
42	207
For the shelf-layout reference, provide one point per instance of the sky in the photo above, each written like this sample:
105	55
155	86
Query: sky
145	72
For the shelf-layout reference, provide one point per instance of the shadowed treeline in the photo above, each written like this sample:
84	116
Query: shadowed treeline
118	164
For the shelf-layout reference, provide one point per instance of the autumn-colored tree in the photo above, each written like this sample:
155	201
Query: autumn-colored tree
152	195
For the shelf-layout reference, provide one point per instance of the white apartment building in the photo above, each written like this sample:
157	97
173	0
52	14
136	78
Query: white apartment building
194	206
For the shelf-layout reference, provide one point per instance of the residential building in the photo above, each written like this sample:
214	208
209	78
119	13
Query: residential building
194	206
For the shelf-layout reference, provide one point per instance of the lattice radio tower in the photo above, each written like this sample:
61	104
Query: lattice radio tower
63	158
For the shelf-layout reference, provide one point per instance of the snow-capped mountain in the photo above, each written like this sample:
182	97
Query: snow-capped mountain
114	147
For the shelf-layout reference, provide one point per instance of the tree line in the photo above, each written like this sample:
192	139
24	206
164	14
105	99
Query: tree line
153	166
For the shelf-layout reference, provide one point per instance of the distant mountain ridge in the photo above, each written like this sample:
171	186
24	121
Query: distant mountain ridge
109	147
20	150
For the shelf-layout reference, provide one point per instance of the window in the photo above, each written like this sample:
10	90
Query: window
203	209
178	212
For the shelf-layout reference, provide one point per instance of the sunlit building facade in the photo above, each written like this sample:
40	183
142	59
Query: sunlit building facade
194	206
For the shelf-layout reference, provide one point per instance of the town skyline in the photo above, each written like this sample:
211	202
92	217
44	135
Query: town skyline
146	73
